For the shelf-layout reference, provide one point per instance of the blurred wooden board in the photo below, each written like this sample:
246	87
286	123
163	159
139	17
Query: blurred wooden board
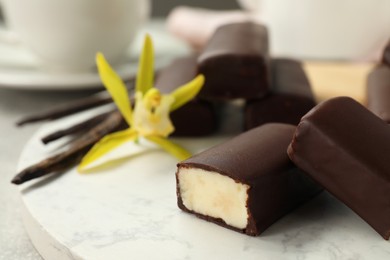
331	79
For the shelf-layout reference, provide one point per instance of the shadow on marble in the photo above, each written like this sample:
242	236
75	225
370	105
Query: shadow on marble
41	181
322	215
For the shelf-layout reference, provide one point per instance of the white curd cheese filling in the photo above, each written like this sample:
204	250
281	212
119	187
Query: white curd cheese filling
215	195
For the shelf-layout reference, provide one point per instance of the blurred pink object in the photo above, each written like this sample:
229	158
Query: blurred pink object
196	25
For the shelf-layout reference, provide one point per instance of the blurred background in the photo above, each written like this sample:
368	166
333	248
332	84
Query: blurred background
162	8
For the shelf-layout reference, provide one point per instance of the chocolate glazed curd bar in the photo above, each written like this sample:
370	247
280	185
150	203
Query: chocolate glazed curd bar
196	118
244	184
235	62
291	96
378	92
346	148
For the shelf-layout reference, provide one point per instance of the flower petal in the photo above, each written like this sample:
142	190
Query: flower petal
115	87
145	72
105	145
187	92
172	148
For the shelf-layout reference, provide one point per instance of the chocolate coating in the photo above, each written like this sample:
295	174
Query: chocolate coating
378	92
345	148
235	62
291	96
386	55
179	72
257	158
289	77
196	118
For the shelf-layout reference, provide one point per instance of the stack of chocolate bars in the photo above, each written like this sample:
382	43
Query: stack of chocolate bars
237	65
249	182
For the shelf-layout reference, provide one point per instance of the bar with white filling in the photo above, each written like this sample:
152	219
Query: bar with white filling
244	184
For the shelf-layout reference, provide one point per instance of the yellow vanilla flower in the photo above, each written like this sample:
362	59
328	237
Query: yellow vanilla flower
150	116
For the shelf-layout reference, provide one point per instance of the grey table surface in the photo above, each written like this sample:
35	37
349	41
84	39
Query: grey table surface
14	104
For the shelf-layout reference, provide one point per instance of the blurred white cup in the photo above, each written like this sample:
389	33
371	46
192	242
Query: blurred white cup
325	29
66	34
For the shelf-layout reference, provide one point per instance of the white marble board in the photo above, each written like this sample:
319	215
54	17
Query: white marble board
130	212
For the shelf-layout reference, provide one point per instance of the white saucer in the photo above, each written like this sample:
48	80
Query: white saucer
20	69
